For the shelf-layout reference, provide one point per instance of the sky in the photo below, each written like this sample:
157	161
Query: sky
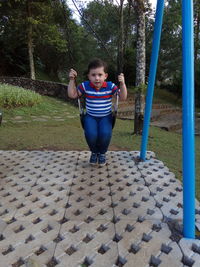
82	3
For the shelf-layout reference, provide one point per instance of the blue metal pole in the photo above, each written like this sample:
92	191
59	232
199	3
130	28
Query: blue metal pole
152	76
188	121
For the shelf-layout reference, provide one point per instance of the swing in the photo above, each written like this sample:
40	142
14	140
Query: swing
83	113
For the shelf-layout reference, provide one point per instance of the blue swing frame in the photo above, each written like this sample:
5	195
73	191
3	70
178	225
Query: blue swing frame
188	138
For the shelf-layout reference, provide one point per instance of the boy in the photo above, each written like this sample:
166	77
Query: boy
98	119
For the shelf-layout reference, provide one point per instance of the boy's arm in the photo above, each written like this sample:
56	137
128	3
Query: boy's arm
122	86
72	91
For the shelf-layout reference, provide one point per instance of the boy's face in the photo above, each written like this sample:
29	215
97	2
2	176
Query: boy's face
97	76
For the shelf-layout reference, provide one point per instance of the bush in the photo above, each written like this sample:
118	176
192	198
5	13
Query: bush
13	96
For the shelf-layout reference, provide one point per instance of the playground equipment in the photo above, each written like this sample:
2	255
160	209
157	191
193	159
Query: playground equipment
188	108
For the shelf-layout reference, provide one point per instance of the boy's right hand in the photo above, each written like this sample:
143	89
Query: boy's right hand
72	74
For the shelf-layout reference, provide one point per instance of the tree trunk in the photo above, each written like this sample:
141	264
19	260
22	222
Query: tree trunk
140	65
127	26
30	42
120	61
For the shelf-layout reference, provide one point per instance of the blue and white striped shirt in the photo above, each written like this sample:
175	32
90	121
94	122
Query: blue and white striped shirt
98	101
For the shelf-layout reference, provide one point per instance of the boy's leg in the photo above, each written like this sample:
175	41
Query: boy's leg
91	135
104	133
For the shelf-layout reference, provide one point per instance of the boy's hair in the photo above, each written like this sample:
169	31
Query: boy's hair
97	63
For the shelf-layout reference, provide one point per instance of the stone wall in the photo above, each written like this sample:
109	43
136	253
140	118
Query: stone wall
54	89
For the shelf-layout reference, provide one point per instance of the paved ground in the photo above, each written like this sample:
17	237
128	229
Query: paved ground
56	210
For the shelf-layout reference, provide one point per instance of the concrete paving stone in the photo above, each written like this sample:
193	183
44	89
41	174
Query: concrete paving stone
89	181
19	209
172	195
64	182
135	236
190	247
49	193
12	193
71	230
57	173
154	214
12	235
3	225
97	197
104	213
139	190
80	213
41	257
146	249
92	185
173	258
62	161
169	208
82	210
132	213
107	257
44	205
52	212
96	259
58	198
125	180
88	239
13	204
63	157
176	214
196	260
7	212
101	212
21	180
127	167
20	231
77	197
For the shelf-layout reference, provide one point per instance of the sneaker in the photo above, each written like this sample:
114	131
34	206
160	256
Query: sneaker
102	159
93	158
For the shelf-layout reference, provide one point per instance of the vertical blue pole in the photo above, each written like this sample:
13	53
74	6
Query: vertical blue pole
152	75
188	121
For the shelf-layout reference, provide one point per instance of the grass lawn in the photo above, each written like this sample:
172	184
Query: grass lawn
61	130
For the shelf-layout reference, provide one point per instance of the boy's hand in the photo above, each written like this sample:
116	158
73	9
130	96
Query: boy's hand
72	74
121	78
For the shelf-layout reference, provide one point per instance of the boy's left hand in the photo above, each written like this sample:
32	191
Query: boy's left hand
121	78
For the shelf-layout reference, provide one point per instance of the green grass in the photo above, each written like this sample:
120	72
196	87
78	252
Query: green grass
68	135
161	96
14	96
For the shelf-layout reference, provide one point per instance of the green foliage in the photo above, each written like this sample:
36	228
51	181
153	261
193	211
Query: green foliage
170	61
48	36
13	96
140	89
60	42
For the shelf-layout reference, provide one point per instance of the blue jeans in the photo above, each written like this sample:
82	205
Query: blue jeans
98	132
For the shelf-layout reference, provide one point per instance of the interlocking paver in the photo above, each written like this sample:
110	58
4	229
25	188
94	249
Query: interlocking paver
57	210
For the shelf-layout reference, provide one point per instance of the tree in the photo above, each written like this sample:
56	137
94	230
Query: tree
139	6
30	39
